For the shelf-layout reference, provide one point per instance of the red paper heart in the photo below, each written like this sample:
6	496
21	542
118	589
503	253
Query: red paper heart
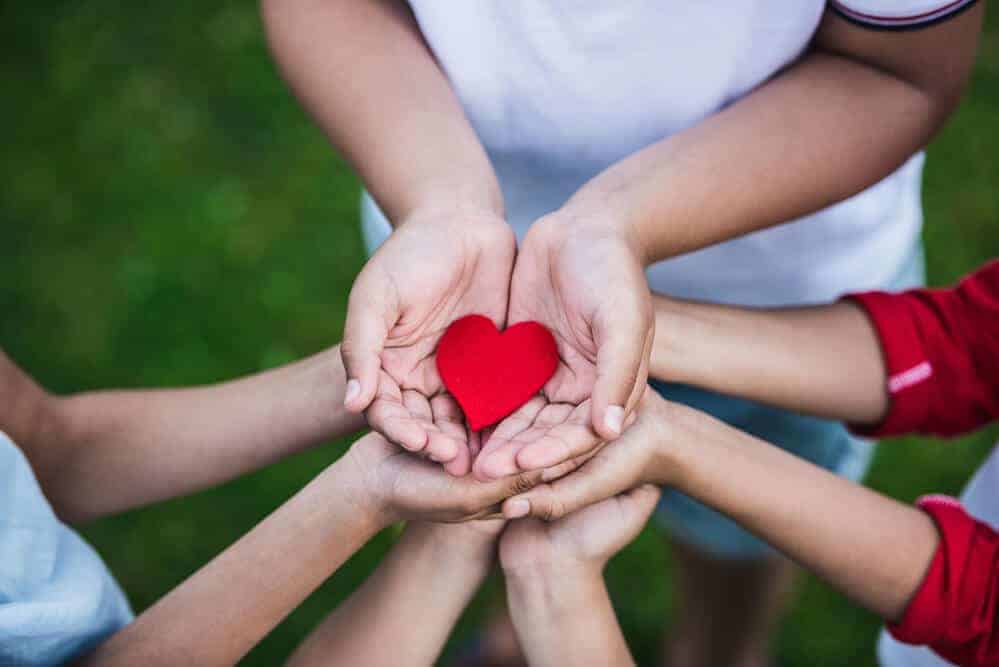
491	374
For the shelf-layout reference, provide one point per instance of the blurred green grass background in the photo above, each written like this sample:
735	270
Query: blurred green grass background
169	216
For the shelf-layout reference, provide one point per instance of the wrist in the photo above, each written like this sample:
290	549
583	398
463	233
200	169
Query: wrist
456	547
581	217
688	437
347	479
467	210
555	592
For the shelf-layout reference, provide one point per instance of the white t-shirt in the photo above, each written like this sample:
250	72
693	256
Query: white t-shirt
981	500
558	90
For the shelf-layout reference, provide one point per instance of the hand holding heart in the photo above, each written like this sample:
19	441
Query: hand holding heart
437	267
583	284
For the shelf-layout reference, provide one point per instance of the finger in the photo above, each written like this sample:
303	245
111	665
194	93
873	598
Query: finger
644	497
369	319
621	346
449	420
488	467
517	422
566	467
440	447
636	507
595	481
562	442
501	460
640	387
461	464
475	444
389	416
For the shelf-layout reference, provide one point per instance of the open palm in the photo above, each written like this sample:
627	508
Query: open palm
429	273
590	291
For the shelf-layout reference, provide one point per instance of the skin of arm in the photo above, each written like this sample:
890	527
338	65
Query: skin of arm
565	617
224	609
98	453
808	513
414	597
822	360
364	73
554	580
850	111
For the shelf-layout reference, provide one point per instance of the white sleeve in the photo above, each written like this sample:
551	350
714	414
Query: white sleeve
898	14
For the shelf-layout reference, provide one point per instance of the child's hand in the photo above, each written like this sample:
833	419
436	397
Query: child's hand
587	285
587	538
393	484
436	267
649	452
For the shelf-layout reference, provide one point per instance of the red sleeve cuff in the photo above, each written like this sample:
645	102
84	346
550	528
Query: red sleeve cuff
924	617
907	366
955	612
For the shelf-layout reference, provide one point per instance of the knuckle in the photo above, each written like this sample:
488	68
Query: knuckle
348	348
521	483
554	509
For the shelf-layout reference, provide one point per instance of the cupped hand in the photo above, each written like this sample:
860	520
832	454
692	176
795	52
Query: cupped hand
588	537
643	455
437	267
586	284
396	485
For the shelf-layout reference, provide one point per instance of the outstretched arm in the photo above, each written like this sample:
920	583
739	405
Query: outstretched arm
217	615
98	453
364	73
555	585
920	361
856	105
225	608
409	605
806	512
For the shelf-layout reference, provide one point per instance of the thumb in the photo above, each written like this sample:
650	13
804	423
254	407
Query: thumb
622	366
363	341
645	498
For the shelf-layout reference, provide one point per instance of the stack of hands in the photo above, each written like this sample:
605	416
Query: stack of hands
587	286
583	281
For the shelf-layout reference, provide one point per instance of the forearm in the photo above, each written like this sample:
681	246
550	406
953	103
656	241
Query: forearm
109	451
823	360
407	606
565	618
846	115
25	407
224	609
366	76
874	549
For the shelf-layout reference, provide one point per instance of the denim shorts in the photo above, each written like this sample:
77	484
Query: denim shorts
825	443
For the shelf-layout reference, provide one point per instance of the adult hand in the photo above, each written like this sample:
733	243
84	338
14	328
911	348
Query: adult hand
586	284
438	266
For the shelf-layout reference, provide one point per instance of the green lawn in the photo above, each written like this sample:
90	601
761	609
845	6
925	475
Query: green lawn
169	216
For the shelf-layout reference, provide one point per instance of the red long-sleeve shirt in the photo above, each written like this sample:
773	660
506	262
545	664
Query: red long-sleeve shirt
941	350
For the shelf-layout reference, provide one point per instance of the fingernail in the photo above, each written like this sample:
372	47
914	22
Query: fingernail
614	419
517	508
353	391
